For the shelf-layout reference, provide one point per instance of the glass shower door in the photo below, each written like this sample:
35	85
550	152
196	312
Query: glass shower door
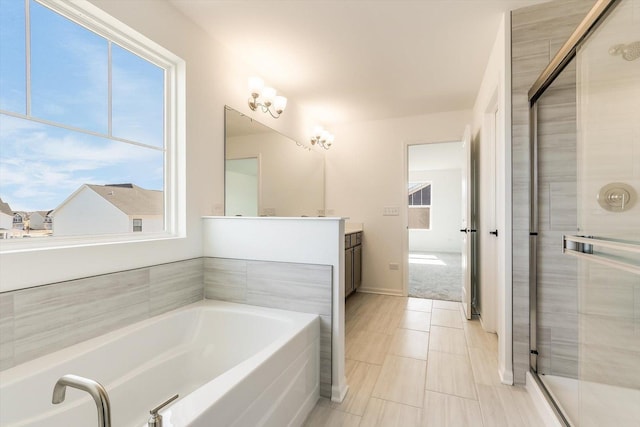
587	250
608	178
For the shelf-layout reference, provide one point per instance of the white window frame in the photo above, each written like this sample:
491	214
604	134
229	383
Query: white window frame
83	13
423	206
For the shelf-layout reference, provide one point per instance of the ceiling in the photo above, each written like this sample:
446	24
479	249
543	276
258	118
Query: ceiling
357	60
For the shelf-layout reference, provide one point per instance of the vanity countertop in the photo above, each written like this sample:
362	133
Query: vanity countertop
353	227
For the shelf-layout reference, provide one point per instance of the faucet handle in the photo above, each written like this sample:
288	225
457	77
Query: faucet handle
155	410
156	419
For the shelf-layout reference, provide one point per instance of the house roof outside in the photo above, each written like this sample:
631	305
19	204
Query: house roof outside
131	199
5	208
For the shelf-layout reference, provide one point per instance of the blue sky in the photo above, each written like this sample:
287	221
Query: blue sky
41	165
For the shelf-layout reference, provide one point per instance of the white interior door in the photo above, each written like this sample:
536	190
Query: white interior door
466	228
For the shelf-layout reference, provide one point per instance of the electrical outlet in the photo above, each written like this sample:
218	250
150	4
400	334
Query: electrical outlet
394	266
391	211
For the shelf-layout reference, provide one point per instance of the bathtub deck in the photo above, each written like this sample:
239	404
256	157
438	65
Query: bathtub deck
415	362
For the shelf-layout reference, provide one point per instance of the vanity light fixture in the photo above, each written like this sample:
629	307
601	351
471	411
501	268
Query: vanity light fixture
265	98
322	137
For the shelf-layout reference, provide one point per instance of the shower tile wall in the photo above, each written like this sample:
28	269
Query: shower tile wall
537	32
41	320
557	213
287	286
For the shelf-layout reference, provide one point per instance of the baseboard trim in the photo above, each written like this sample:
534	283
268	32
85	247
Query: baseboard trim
338	393
506	376
379	291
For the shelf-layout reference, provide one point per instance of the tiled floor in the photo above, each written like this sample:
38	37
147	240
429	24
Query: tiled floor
418	362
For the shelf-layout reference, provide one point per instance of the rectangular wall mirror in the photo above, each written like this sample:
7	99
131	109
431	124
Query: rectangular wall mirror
268	174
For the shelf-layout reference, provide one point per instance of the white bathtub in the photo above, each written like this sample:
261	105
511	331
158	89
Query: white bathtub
232	364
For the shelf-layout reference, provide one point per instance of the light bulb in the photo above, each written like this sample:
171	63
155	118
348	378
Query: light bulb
268	94
317	131
255	85
280	103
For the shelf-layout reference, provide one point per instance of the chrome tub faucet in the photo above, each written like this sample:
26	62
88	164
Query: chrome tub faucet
94	388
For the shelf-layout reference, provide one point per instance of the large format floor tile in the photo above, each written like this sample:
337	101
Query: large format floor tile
451	374
367	346
413	362
410	343
448	318
383	413
323	416
361	378
401	380
416	320
446	410
447	340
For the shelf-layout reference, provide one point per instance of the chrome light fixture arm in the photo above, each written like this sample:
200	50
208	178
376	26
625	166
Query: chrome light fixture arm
265	107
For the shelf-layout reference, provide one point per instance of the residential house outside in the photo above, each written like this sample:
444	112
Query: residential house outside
37	220
6	219
109	209
20	220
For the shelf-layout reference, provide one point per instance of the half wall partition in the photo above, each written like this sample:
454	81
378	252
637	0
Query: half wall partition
585	221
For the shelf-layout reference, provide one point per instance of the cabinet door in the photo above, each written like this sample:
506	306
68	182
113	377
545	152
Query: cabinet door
348	271
357	266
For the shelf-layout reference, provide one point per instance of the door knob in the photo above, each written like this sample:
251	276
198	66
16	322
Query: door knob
494	232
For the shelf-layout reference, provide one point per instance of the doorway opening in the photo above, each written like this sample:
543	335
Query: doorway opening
434	215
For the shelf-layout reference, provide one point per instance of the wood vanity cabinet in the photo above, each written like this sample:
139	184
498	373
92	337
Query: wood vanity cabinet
352	262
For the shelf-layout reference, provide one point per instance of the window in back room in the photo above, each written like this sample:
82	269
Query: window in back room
420	205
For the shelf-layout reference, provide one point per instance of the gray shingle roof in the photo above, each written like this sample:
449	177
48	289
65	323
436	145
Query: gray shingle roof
131	199
5	208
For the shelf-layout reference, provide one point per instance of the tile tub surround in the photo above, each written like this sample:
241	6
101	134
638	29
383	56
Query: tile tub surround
537	32
44	319
289	286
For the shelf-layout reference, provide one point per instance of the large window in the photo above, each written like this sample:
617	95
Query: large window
86	122
420	205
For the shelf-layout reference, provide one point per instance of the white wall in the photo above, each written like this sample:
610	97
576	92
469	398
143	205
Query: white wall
6	221
365	172
291	177
446	211
496	90
89	213
213	78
